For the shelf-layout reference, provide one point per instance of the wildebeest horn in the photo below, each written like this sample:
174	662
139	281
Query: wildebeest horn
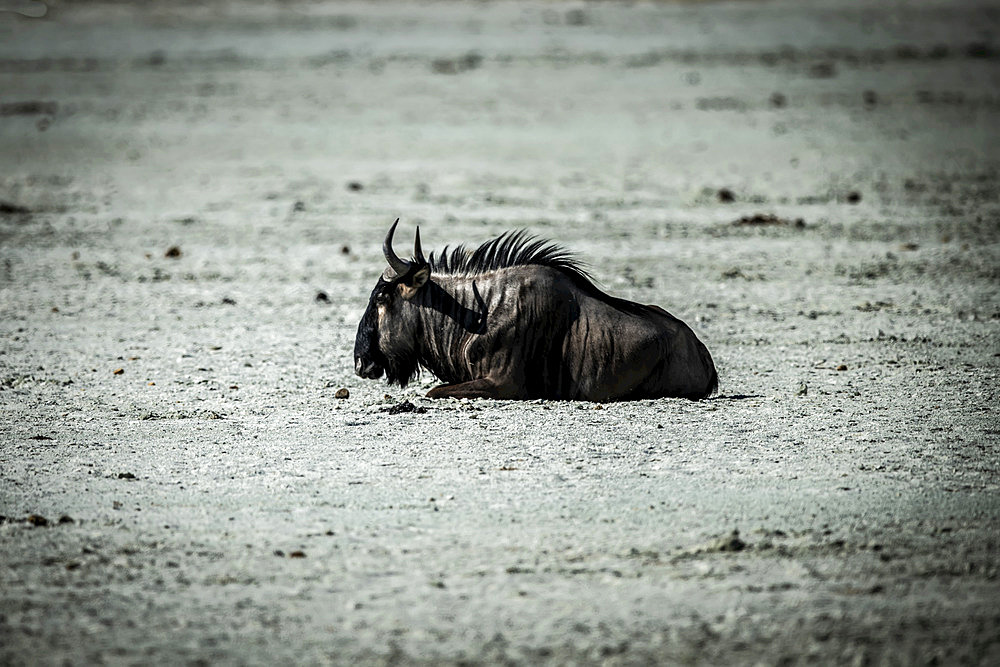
395	263
418	254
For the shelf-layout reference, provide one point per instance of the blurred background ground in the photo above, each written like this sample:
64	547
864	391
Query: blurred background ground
192	202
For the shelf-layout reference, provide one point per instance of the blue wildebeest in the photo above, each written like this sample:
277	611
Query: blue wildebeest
518	318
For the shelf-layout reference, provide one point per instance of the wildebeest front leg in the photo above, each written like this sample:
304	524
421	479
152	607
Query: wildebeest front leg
479	388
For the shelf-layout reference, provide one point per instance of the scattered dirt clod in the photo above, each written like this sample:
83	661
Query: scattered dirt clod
342	393
842	367
7	208
405	406
726	196
576	17
322	297
173	252
825	70
28	108
731	542
118	371
469	61
297	554
37	520
979	50
765	219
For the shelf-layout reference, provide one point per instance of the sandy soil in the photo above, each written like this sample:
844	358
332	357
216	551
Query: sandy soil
178	483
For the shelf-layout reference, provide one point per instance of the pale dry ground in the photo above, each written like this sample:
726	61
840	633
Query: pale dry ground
226	508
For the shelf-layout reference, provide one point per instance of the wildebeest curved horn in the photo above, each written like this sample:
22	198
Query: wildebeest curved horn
395	263
418	254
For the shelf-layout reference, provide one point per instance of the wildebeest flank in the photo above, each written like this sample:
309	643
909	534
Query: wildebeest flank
518	318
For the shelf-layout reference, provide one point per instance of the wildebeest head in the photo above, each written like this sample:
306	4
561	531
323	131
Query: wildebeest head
387	334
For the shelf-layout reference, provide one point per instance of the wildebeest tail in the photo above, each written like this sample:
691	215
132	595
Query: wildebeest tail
713	385
713	382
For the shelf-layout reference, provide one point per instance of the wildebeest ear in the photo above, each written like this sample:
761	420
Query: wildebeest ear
412	284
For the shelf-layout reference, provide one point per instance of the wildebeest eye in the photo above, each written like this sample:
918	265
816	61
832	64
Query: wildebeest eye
382	297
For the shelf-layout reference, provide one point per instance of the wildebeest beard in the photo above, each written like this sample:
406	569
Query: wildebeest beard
401	367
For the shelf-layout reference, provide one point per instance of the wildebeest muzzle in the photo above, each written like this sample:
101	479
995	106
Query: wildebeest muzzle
367	369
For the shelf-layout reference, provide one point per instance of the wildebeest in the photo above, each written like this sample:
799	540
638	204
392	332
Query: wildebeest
518	318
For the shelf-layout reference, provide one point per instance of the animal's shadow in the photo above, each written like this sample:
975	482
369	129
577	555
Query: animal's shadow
733	397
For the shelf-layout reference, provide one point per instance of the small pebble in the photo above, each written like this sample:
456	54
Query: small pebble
297	554
842	367
173	252
342	393
118	371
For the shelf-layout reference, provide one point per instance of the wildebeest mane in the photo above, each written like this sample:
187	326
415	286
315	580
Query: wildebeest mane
516	248
519	248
